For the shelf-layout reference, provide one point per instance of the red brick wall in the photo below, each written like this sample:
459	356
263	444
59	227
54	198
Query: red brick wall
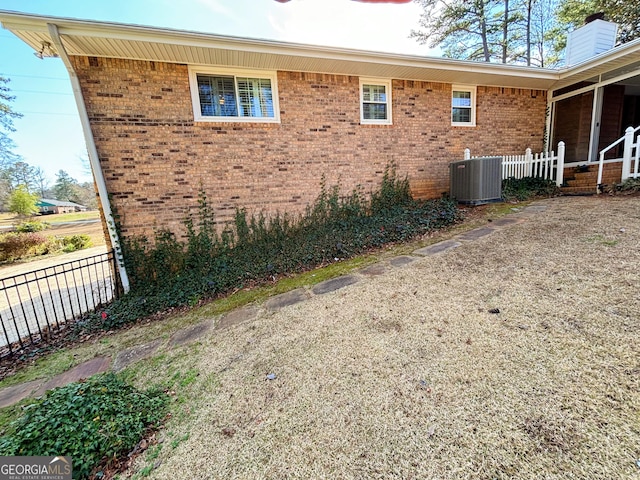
156	159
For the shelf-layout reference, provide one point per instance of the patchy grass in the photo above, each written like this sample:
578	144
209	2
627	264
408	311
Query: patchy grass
602	240
409	374
60	361
9	219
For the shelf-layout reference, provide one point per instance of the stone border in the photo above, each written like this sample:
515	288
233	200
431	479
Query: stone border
14	394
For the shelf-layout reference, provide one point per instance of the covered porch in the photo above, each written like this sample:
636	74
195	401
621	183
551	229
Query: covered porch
592	117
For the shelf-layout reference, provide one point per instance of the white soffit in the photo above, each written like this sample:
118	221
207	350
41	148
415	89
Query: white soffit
103	39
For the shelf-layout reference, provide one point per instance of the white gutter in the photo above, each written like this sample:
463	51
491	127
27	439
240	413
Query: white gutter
93	154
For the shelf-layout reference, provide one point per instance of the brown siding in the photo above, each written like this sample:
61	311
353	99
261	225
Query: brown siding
156	159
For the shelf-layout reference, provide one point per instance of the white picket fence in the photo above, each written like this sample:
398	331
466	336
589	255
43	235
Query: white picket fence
543	165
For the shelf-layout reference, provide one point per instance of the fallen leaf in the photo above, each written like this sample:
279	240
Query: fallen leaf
228	432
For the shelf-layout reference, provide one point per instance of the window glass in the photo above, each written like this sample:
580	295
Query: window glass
462	106
376	101
217	96
374	93
255	97
229	96
462	99
461	115
372	111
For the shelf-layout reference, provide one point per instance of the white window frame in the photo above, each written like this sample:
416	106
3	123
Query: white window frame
386	82
272	76
465	88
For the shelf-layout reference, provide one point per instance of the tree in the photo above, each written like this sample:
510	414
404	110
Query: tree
22	202
86	195
571	13
543	33
467	29
41	181
7	115
64	188
534	33
21	173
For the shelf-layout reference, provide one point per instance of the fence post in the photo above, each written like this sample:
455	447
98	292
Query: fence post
529	162
467	154
560	165
626	157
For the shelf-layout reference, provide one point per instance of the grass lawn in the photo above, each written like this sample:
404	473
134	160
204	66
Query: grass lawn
8	219
408	374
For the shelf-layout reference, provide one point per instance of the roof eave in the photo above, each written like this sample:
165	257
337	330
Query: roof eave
133	39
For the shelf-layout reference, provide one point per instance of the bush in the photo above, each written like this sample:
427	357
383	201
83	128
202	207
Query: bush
520	189
71	243
93	421
16	245
630	185
32	226
253	250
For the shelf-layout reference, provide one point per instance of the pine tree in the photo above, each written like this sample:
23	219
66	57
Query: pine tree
7	115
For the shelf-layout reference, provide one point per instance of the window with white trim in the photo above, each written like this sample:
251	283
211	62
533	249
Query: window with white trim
463	106
227	95
375	101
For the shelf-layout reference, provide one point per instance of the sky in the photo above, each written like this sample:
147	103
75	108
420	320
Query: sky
49	134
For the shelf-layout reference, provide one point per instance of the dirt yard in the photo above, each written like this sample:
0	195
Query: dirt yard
410	375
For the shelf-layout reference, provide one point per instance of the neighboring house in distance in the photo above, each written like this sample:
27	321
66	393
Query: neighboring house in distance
257	124
49	206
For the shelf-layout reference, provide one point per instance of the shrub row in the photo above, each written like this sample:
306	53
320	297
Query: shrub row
17	245
32	226
253	249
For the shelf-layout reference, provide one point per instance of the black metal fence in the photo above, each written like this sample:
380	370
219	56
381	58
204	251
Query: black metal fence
39	303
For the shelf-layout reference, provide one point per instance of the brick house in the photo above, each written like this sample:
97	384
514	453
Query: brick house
49	206
258	124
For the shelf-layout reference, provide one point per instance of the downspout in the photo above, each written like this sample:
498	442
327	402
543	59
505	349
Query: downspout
93	154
